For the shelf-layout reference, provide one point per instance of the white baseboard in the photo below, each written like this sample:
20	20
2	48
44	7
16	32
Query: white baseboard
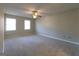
59	39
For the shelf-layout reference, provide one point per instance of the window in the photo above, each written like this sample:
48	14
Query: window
10	24
27	24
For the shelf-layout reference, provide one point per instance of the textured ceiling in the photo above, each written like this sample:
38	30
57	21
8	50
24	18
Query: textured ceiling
43	8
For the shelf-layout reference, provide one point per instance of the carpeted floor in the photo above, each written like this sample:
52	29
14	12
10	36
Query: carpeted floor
37	45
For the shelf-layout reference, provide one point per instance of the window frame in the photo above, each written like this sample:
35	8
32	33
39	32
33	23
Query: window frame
6	25
29	25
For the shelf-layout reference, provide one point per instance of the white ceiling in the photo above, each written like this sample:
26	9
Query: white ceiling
25	9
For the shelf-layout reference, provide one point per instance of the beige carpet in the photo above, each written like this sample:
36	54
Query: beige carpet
37	45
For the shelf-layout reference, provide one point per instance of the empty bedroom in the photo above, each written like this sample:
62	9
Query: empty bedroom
41	29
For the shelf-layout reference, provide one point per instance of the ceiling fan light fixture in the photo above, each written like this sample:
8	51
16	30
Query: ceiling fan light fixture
35	14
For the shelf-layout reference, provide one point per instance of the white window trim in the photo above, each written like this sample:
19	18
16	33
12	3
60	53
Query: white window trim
6	25
29	25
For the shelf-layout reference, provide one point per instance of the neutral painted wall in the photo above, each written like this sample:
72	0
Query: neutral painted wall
61	26
20	27
1	28
78	25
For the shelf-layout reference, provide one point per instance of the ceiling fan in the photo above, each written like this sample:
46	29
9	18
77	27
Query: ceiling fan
35	14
